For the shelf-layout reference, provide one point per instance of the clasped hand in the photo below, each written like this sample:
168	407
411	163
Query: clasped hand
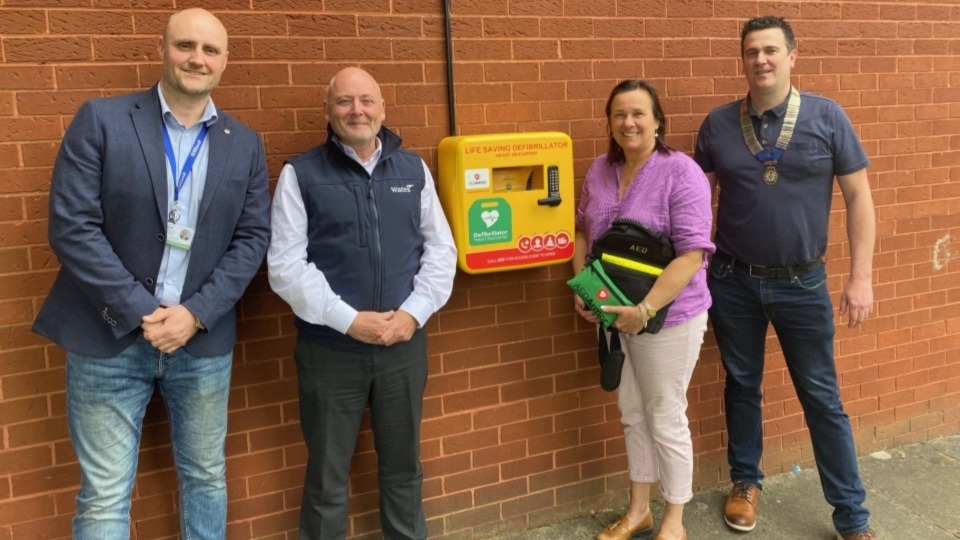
169	328
386	328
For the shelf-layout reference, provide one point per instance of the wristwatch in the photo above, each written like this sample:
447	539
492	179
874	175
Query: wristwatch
651	312
198	324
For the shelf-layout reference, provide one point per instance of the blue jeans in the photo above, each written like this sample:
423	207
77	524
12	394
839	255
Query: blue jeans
802	315
106	401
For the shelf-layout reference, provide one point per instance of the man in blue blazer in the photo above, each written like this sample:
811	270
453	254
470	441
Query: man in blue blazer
159	215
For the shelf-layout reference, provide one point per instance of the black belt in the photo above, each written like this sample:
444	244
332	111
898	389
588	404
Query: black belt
769	272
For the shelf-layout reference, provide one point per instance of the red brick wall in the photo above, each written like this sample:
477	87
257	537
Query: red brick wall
516	431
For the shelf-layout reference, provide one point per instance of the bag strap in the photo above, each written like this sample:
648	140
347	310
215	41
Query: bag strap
611	359
602	349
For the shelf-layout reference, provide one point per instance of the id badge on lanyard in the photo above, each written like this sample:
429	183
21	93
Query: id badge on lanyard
180	236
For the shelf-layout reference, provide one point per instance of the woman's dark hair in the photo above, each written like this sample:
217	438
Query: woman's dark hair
615	152
765	23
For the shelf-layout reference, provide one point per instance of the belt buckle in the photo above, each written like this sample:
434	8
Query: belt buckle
760	269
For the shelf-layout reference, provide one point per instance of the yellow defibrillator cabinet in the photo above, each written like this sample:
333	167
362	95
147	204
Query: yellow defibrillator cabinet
509	199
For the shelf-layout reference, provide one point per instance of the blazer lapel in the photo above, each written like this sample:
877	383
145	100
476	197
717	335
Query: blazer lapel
221	143
146	121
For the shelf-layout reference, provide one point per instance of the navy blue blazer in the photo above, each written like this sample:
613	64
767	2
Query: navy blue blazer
108	208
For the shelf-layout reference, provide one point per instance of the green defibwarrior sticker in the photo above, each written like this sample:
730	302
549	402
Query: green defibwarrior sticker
490	222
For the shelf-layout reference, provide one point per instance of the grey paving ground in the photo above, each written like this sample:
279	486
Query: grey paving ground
913	493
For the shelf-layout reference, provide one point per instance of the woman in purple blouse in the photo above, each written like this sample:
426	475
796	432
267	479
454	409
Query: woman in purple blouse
641	178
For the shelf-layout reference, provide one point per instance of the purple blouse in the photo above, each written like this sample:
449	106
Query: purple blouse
670	195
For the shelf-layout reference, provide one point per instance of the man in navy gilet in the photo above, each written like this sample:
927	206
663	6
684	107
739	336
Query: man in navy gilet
363	254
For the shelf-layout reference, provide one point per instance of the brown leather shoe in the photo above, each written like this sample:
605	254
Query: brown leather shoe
740	512
868	534
620	529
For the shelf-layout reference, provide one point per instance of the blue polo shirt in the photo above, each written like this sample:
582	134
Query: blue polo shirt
785	224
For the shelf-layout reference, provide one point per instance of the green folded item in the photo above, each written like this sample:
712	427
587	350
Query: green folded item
596	289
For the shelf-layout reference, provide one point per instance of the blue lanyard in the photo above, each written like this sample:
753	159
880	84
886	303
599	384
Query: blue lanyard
180	180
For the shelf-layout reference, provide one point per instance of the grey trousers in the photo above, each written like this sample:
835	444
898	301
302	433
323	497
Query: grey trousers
335	388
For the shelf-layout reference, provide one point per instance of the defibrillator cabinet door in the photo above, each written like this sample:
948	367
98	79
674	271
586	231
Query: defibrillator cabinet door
509	199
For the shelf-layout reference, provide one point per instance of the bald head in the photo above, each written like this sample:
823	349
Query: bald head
196	16
194	52
355	109
352	77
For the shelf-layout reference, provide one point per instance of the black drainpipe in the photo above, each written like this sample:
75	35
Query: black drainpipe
451	109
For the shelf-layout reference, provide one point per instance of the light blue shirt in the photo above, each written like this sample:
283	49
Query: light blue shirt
173	267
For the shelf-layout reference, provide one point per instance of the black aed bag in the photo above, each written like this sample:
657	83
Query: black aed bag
633	257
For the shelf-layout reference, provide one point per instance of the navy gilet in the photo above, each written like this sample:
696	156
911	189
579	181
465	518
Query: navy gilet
363	230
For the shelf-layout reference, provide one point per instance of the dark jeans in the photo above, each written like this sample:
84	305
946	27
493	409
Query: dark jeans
335	388
802	315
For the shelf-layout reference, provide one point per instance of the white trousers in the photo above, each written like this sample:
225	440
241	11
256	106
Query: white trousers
653	406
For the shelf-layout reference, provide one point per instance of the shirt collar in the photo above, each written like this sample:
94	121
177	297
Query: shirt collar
777	111
209	112
374	158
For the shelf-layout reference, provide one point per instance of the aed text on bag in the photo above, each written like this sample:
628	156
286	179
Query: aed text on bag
584	293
